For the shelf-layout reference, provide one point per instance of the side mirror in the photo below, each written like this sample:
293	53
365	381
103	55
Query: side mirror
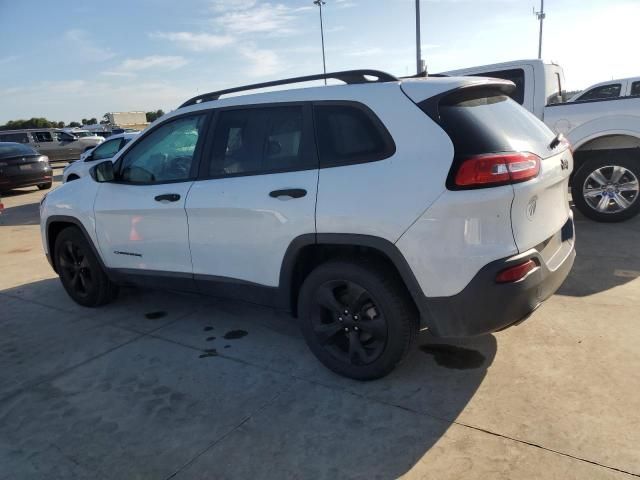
103	172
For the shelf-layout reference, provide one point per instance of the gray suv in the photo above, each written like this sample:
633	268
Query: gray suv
59	146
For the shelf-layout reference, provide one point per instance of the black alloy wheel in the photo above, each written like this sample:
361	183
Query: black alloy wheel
357	317
75	269
80	272
348	323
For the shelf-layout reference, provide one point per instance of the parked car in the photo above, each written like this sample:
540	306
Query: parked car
79	132
22	166
623	87
104	151
604	134
59	146
370	210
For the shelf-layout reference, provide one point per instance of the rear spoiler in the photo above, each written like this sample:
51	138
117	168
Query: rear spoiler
465	92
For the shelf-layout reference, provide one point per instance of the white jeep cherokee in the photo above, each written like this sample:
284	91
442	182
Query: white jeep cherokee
370	210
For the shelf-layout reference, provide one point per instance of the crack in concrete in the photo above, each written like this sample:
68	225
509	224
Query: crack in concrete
234	429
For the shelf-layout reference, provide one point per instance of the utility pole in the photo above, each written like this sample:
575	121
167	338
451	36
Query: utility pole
540	16
419	67
320	3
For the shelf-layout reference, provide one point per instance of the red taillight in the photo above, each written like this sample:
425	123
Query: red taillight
497	169
513	274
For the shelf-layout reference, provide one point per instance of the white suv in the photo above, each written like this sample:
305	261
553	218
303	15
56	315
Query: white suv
105	151
370	210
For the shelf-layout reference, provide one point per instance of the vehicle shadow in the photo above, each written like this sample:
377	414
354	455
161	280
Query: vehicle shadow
322	423
20	215
607	256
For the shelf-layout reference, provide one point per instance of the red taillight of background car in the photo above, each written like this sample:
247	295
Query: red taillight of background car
515	273
497	169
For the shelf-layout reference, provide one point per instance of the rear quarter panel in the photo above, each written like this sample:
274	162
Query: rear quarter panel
383	198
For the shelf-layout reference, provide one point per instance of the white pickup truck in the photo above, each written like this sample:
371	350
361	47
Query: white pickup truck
604	134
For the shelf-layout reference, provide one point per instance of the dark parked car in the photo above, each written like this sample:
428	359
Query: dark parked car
22	166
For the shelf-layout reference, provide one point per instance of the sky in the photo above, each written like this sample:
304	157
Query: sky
68	60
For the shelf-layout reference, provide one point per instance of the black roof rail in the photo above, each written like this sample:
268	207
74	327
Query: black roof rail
348	76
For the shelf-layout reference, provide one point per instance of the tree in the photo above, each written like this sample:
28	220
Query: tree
92	121
153	116
74	125
34	122
60	124
84	121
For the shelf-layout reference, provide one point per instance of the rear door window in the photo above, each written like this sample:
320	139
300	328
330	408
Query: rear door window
490	122
261	140
602	92
635	88
350	133
42	137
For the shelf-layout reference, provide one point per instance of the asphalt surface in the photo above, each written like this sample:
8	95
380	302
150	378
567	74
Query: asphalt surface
163	385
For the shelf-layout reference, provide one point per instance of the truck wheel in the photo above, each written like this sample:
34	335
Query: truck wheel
606	189
357	319
80	271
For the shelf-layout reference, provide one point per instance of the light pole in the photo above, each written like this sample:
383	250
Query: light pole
320	3
541	17
418	46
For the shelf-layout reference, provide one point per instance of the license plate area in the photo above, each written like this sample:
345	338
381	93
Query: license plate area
26	167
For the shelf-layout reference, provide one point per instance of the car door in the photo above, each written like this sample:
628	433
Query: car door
257	193
141	223
72	147
46	144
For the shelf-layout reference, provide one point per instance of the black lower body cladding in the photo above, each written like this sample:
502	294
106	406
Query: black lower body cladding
485	306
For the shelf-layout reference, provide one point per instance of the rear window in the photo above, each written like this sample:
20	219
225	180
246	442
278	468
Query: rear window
515	75
350	134
21	137
8	150
602	92
492	123
635	88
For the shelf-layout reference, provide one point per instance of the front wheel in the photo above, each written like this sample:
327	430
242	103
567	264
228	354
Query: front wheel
80	271
606	189
356	318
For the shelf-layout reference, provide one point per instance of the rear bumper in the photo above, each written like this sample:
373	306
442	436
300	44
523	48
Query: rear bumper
485	306
27	180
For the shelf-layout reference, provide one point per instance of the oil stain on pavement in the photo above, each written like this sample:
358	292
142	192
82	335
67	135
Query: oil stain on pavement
235	334
451	356
155	315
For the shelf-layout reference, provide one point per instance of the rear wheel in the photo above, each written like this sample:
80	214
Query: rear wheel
80	271
45	186
357	319
606	189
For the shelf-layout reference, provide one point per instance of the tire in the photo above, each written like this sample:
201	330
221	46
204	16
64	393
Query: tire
596	190
357	318
80	271
45	186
